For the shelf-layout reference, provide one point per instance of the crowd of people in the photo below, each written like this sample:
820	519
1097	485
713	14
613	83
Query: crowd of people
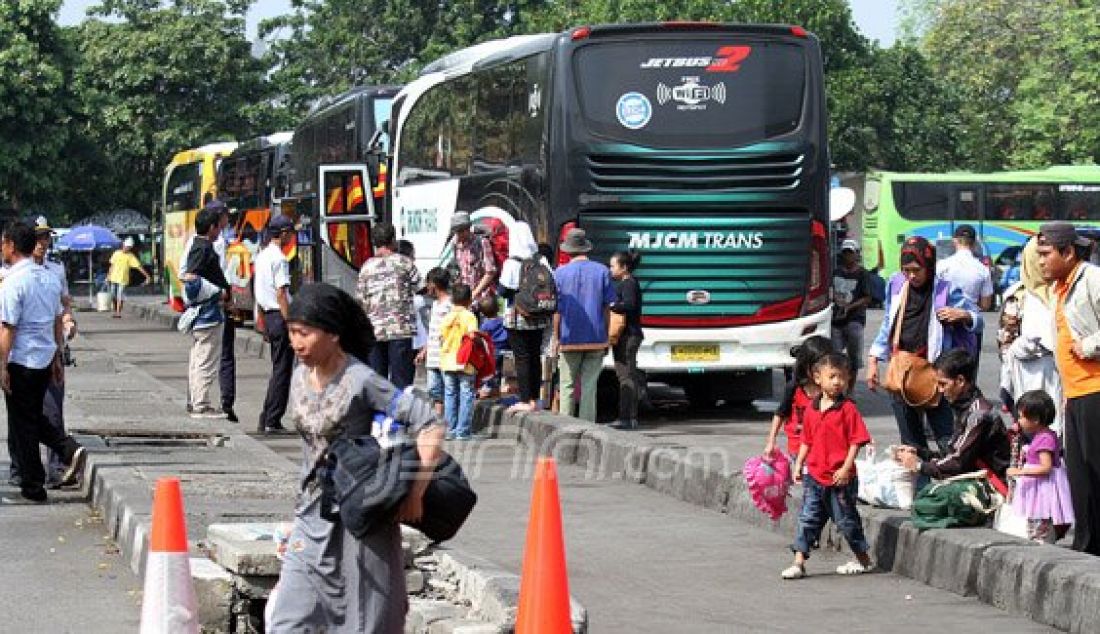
930	343
461	324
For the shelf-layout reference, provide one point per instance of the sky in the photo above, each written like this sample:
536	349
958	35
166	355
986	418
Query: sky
877	19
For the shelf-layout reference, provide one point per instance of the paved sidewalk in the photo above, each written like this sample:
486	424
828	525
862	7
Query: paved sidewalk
639	561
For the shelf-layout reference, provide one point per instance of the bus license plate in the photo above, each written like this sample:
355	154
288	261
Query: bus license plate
695	353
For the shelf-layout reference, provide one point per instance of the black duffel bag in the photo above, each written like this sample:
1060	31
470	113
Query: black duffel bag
363	484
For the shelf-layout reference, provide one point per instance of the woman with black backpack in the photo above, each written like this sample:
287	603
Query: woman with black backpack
526	325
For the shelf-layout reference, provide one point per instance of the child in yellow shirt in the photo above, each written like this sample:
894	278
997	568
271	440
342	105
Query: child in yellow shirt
458	379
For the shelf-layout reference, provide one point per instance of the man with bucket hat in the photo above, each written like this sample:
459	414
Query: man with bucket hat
474	255
585	292
1076	287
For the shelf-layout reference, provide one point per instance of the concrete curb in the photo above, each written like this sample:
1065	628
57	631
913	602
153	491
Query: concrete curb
1050	585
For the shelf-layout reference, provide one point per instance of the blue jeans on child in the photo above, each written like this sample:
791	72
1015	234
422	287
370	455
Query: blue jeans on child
458	402
436	390
822	503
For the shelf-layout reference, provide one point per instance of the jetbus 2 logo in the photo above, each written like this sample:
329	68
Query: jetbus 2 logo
727	60
750	240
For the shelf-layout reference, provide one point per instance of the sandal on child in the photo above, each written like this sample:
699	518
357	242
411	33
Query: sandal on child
854	568
794	572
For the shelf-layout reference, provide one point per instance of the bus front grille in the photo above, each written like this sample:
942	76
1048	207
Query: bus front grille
731	268
618	173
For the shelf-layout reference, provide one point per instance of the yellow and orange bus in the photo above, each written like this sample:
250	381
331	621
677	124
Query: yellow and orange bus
189	181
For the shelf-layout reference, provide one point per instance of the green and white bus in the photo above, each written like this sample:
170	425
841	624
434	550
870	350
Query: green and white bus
701	145
1005	208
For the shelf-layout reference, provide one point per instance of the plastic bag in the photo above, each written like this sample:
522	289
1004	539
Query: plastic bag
769	480
885	483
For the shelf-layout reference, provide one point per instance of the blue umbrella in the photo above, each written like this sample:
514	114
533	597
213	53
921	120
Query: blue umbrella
89	238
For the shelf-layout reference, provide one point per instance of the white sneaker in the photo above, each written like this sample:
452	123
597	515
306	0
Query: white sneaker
795	571
854	568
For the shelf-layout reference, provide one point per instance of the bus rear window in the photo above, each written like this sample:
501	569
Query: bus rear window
700	93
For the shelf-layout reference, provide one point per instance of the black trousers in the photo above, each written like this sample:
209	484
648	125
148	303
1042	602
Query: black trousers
527	353
625	354
227	369
282	367
28	426
394	360
1082	451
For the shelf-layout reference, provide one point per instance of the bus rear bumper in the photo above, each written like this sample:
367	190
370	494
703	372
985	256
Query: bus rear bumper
743	348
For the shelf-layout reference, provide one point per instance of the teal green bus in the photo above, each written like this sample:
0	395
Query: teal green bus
1006	208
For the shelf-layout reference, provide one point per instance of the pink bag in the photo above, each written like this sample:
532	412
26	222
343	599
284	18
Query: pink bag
769	479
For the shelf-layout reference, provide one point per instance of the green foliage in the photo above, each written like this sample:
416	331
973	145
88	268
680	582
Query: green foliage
1024	72
155	80
893	114
34	102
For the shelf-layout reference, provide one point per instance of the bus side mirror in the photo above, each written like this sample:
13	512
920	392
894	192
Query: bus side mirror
375	142
842	200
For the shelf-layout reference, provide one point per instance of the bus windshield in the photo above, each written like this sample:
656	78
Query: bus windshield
184	187
697	93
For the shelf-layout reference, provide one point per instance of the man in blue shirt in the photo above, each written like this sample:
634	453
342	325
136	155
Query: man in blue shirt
30	338
585	292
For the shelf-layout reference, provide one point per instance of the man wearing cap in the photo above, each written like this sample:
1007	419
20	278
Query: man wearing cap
1076	287
203	264
966	271
30	336
585	292
53	406
474	254
271	281
118	276
851	296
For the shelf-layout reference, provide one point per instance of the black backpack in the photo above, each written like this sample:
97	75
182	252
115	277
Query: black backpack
537	295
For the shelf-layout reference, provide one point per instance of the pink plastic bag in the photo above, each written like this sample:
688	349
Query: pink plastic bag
769	480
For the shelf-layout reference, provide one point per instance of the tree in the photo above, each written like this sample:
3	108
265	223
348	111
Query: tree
156	80
34	102
1023	71
894	113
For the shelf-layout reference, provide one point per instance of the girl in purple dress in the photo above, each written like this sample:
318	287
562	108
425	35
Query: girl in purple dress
1042	489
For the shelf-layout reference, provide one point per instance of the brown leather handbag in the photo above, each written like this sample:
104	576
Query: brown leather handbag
910	375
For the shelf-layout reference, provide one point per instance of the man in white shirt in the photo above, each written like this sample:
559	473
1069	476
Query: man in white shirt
966	271
271	283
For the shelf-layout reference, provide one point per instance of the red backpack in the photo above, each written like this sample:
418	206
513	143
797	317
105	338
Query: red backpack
497	234
477	350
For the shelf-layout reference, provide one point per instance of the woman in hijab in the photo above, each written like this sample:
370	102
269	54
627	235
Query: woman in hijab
1026	338
331	581
525	333
937	317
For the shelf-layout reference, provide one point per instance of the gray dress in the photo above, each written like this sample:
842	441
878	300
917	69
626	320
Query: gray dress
330	581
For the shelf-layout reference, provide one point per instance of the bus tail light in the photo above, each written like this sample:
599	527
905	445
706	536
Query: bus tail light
817	297
563	257
798	31
581	33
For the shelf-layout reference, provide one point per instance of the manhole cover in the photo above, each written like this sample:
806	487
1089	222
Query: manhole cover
155	438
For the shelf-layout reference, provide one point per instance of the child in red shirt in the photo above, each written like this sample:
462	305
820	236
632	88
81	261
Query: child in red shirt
798	395
832	433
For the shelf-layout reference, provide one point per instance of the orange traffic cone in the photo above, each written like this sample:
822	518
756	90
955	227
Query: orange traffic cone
544	587
169	605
